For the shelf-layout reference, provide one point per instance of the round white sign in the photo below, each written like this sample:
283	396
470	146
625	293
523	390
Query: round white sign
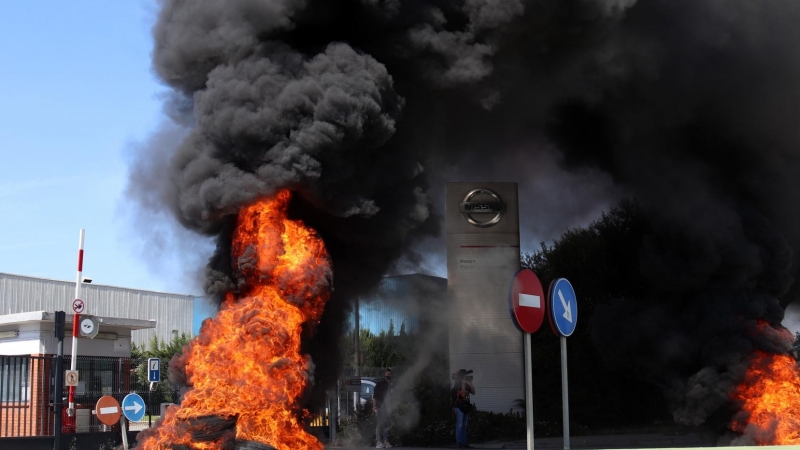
87	326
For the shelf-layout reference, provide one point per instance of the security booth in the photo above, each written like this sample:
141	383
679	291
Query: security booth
28	349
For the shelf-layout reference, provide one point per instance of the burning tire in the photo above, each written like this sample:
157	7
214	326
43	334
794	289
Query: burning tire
210	428
252	445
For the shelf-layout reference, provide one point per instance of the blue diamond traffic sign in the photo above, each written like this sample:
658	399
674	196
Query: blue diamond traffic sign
133	407
563	307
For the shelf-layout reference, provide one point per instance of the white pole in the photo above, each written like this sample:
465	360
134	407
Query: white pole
333	419
357	361
528	389
124	432
565	391
75	320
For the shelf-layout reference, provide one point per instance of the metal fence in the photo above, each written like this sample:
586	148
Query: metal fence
28	393
349	398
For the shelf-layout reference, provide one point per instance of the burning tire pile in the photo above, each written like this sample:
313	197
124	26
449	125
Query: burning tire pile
245	368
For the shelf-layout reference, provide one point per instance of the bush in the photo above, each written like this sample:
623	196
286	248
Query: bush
430	433
360	428
437	428
487	426
424	417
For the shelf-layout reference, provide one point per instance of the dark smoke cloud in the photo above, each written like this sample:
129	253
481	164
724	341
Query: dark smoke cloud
359	106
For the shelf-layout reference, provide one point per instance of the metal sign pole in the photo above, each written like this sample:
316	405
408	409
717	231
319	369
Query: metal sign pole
528	389
565	391
124	433
332	421
357	346
58	396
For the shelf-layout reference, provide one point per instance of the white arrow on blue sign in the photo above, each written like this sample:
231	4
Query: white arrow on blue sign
563	307
153	369
133	407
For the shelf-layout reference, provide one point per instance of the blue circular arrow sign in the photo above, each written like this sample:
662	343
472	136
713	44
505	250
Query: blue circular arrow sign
563	307
133	407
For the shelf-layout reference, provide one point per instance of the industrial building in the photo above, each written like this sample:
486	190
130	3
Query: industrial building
28	345
27	370
173	313
402	300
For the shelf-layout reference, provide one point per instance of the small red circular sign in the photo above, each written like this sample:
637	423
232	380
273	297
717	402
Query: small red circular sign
78	306
107	410
527	301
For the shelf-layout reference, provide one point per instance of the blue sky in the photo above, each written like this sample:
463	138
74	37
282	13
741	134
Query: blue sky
78	93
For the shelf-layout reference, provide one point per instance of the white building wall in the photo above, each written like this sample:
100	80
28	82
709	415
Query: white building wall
20	294
44	342
20	347
480	265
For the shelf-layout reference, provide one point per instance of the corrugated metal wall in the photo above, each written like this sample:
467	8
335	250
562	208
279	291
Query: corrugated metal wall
400	299
203	309
170	311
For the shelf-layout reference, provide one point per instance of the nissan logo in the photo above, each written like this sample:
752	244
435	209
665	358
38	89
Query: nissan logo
492	205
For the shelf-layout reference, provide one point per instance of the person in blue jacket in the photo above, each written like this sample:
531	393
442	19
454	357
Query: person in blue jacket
462	406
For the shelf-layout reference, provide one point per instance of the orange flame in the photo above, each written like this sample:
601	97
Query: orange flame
770	396
246	362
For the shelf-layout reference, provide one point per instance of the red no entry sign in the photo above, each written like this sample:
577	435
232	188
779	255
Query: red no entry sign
527	301
107	410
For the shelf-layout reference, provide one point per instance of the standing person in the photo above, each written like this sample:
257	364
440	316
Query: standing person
462	406
381	407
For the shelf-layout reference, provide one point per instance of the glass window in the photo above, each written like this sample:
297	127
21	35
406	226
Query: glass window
366	390
14	382
98	376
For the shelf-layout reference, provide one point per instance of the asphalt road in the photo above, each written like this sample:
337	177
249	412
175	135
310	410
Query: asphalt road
638	441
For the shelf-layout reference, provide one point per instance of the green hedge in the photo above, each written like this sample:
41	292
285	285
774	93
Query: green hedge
439	429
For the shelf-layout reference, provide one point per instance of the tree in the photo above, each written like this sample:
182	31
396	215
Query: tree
164	351
386	349
602	263
157	348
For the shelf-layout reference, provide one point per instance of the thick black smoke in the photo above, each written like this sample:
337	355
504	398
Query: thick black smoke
358	106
